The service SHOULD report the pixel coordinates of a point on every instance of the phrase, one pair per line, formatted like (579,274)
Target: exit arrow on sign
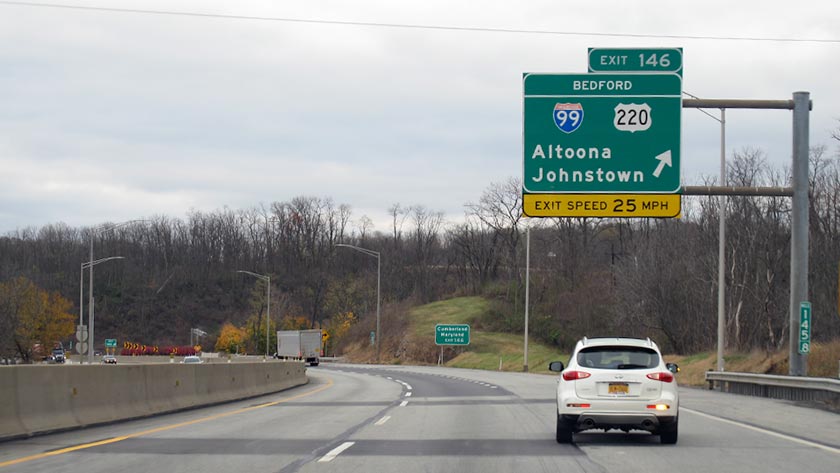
(664,160)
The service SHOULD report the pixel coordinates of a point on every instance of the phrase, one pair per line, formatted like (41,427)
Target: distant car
(109,360)
(58,355)
(617,383)
(192,359)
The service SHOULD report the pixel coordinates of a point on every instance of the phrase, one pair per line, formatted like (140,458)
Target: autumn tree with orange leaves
(31,318)
(230,338)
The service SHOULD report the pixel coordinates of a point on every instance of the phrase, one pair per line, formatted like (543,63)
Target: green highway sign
(636,60)
(601,133)
(110,342)
(452,334)
(804,328)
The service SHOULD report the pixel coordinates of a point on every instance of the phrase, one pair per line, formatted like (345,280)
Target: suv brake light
(665,377)
(573,375)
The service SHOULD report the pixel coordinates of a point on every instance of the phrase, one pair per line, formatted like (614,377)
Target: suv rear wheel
(668,433)
(564,431)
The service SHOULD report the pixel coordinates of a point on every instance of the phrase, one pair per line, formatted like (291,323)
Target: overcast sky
(111,116)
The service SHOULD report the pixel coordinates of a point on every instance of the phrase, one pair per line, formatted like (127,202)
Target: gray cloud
(111,116)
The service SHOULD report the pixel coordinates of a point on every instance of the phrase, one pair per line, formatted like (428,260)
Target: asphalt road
(424,419)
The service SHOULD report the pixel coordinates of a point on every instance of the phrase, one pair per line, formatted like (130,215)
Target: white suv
(617,383)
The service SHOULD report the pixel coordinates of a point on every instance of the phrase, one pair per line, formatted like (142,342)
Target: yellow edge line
(161,429)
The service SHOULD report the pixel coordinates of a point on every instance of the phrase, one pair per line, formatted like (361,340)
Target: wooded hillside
(589,276)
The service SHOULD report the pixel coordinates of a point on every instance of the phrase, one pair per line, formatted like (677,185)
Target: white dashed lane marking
(335,452)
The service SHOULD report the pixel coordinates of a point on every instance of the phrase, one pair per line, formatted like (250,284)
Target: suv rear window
(616,357)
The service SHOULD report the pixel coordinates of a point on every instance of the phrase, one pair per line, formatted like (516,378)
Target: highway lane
(393,418)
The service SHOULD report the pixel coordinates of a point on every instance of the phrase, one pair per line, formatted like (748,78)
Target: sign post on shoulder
(602,145)
(451,335)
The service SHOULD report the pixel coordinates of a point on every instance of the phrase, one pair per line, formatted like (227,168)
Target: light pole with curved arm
(267,280)
(721,313)
(91,263)
(82,268)
(375,254)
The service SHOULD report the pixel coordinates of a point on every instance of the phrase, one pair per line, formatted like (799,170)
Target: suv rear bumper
(611,420)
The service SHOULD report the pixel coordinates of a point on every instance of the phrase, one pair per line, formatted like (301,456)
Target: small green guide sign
(804,328)
(636,60)
(111,342)
(452,334)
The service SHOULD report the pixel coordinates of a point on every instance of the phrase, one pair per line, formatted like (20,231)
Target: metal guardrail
(791,388)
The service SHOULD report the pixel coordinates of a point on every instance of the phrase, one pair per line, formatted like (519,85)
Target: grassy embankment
(486,349)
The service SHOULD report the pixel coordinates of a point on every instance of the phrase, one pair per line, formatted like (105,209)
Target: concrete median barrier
(40,399)
(9,415)
(44,396)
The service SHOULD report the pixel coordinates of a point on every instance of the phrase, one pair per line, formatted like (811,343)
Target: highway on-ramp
(359,418)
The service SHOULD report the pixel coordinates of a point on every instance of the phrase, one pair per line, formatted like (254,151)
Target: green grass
(486,348)
(696,357)
(735,357)
(461,310)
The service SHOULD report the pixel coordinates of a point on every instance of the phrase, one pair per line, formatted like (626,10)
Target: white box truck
(288,344)
(310,346)
(302,345)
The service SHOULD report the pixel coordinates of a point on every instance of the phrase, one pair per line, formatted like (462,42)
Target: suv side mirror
(556,366)
(672,367)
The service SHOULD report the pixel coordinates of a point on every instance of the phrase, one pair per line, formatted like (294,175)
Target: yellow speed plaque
(601,205)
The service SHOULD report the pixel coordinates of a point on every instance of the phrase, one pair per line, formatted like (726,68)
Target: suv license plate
(619,388)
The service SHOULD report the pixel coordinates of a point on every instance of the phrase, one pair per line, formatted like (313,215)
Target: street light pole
(90,303)
(89,265)
(93,233)
(376,255)
(267,280)
(721,306)
(81,294)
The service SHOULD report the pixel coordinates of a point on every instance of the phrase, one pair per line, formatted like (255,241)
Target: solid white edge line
(404,403)
(335,452)
(768,432)
(382,420)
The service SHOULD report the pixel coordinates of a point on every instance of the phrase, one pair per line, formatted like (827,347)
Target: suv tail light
(573,375)
(665,377)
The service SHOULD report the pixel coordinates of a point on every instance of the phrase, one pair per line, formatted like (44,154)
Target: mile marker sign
(599,134)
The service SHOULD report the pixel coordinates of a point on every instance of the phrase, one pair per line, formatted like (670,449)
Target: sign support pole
(799,229)
(527,290)
(721,332)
